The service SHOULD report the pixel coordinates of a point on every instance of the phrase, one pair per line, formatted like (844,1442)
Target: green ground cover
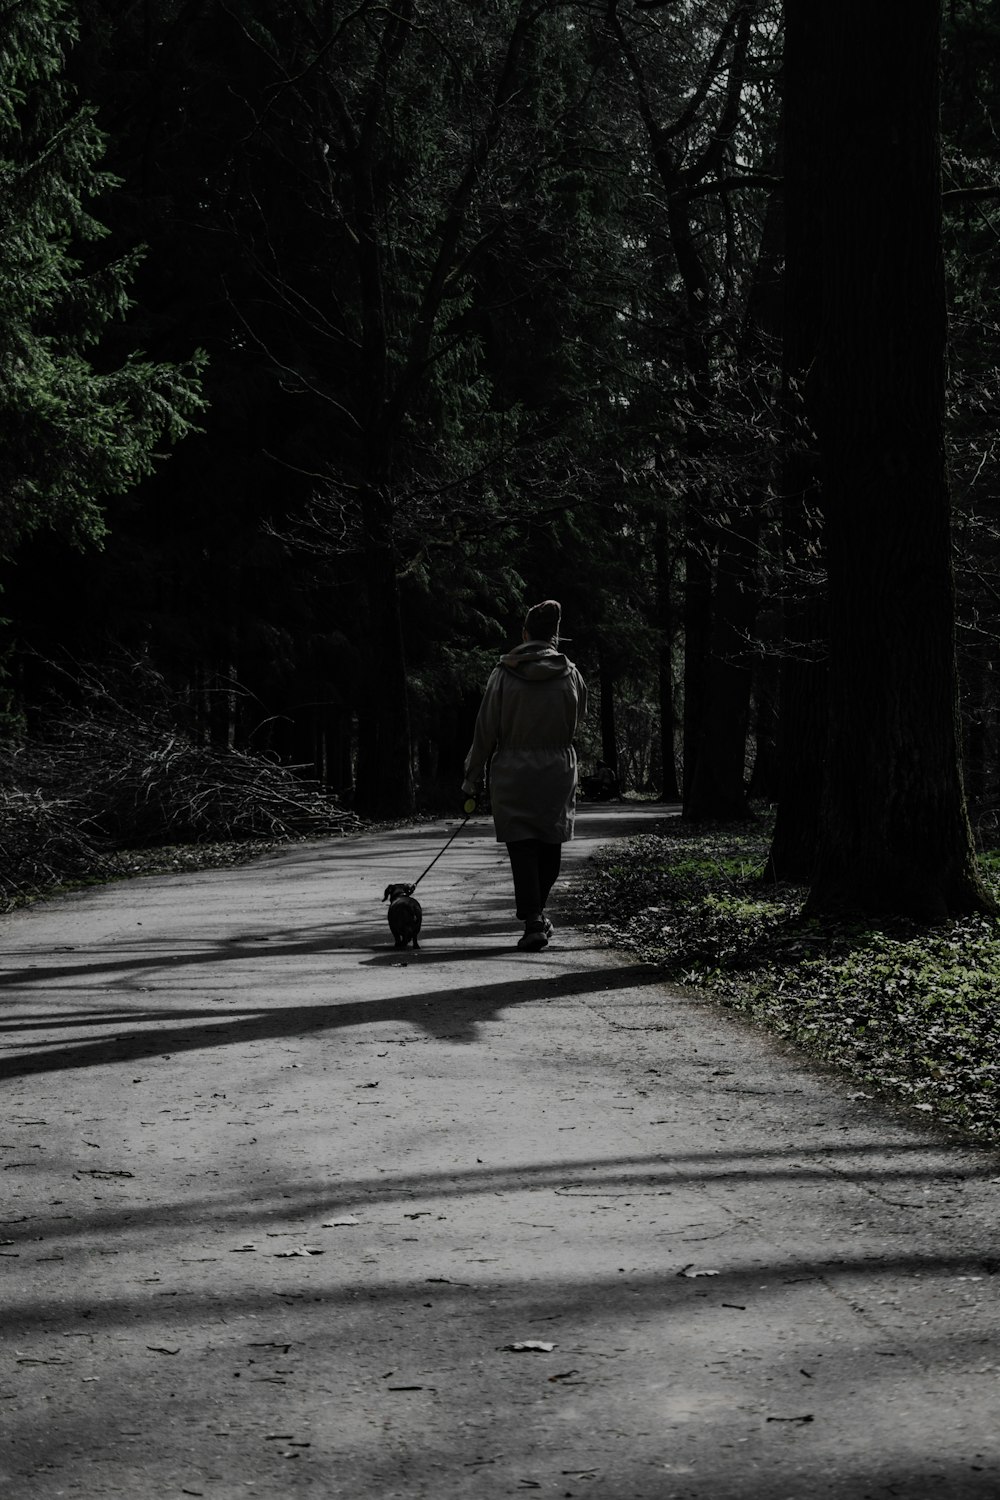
(908,1011)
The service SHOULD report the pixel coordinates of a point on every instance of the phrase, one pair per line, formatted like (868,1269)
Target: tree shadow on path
(451,1014)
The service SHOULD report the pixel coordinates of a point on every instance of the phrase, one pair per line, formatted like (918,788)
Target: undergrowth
(906,1010)
(114,783)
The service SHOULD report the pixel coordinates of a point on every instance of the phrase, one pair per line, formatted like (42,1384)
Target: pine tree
(77,426)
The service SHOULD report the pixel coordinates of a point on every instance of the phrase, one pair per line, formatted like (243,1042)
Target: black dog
(405,914)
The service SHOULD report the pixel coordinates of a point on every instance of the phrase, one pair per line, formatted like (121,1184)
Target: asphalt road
(285,1212)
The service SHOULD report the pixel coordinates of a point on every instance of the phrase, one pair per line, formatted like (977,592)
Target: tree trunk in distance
(717,791)
(609,727)
(764,731)
(384,784)
(669,789)
(697,633)
(894,835)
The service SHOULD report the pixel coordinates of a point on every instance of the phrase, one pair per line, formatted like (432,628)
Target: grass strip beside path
(910,1011)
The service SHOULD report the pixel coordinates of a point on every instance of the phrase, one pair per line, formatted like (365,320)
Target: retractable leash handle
(468,807)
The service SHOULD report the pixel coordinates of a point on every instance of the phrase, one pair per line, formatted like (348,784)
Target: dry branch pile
(94,781)
(45,841)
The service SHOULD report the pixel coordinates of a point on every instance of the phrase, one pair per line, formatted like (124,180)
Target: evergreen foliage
(76,427)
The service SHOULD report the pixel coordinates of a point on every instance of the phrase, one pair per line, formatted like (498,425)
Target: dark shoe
(535,938)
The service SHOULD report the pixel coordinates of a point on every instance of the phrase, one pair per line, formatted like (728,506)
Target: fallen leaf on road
(300,1250)
(529,1346)
(692,1271)
(162,1349)
(342,1222)
(807,1418)
(242,1249)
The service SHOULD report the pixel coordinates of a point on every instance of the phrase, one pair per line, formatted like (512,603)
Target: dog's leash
(468,807)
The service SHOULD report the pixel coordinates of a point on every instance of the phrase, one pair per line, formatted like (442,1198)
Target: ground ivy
(909,1011)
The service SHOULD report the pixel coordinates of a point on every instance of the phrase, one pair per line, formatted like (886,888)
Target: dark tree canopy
(79,424)
(641,306)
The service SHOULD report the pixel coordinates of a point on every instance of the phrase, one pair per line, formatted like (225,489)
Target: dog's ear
(388,893)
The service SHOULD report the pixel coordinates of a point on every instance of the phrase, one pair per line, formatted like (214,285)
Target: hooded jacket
(533,702)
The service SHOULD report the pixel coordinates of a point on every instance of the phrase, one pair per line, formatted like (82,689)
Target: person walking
(533,702)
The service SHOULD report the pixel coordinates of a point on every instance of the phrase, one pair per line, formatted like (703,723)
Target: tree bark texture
(669,789)
(803,706)
(609,726)
(802,714)
(385,771)
(894,834)
(717,789)
(697,634)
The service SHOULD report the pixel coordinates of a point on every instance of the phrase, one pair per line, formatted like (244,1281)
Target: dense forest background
(334,333)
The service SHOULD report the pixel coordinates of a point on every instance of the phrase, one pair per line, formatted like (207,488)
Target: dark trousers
(534,866)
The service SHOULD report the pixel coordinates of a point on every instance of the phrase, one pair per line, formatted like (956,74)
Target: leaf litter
(912,1011)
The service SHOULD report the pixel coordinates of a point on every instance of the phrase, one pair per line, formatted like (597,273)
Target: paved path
(745,1280)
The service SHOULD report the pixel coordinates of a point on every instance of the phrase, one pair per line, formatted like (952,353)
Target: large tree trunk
(802,713)
(803,710)
(894,834)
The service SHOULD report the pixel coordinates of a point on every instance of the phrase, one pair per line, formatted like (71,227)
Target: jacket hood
(536,661)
